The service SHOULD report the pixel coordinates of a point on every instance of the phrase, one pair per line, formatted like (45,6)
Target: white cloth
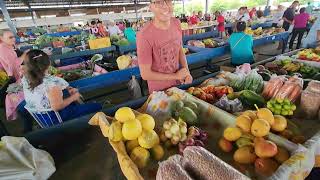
(277,17)
(114,30)
(244,17)
(312,36)
(38,97)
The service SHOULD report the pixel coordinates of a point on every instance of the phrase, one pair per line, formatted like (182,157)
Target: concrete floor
(87,154)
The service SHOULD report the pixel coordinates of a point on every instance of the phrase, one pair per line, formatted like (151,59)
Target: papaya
(188,116)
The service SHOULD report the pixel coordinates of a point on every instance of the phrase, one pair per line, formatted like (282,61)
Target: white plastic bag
(20,160)
(134,88)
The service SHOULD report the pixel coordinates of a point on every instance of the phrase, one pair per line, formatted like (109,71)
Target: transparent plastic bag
(134,88)
(20,160)
(229,105)
(310,103)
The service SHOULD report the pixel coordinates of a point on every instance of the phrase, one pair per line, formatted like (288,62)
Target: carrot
(285,90)
(295,93)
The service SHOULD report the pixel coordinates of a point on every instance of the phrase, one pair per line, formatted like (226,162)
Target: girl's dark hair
(259,14)
(241,26)
(36,64)
(302,10)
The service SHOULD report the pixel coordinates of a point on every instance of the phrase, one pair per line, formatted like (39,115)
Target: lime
(269,105)
(272,101)
(293,107)
(287,101)
(272,109)
(280,101)
(284,113)
(277,112)
(287,107)
(290,113)
(277,106)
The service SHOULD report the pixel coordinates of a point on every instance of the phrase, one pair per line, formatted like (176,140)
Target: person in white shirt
(113,29)
(243,15)
(313,38)
(277,16)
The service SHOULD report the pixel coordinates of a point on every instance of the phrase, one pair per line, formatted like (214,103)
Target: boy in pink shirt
(159,46)
(300,26)
(9,61)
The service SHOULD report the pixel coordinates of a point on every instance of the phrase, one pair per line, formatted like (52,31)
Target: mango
(140,157)
(232,133)
(124,114)
(115,133)
(225,145)
(251,114)
(243,142)
(245,155)
(244,122)
(282,155)
(157,152)
(130,145)
(188,116)
(265,166)
(131,129)
(266,114)
(146,121)
(260,128)
(265,149)
(148,139)
(280,123)
(286,134)
(299,139)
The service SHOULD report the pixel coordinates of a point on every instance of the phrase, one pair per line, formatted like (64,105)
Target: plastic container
(100,43)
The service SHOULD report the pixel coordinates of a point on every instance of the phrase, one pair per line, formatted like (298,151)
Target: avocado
(188,116)
(192,106)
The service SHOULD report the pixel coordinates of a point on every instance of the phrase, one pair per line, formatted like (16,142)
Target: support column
(269,2)
(207,4)
(7,17)
(135,8)
(183,6)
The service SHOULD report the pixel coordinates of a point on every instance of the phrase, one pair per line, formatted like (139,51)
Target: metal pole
(135,8)
(183,6)
(7,17)
(207,6)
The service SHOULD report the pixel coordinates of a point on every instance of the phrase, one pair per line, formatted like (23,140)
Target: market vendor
(45,92)
(241,46)
(162,61)
(9,61)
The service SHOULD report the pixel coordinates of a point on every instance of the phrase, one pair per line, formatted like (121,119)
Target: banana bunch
(3,78)
(292,67)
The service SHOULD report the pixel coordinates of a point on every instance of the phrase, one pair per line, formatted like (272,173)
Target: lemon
(140,157)
(148,139)
(114,133)
(146,121)
(124,114)
(131,129)
(232,133)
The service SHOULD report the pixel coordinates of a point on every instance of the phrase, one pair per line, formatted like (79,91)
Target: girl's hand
(188,79)
(76,96)
(73,90)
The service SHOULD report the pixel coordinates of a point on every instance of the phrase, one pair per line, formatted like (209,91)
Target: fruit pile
(187,111)
(3,78)
(281,107)
(249,138)
(173,131)
(309,54)
(196,137)
(139,133)
(210,94)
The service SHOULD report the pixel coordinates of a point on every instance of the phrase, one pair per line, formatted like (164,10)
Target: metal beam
(7,17)
(207,3)
(135,8)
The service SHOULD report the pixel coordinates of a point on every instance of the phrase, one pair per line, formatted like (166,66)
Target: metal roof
(72,3)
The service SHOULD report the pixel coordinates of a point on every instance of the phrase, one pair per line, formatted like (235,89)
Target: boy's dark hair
(241,26)
(128,25)
(302,10)
(36,63)
(93,22)
(294,2)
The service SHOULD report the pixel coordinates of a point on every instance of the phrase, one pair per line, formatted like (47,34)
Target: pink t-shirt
(301,20)
(161,49)
(9,61)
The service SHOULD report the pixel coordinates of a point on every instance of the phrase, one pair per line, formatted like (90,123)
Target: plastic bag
(134,88)
(123,61)
(314,86)
(310,103)
(291,89)
(254,82)
(237,81)
(229,105)
(159,106)
(272,87)
(244,68)
(20,160)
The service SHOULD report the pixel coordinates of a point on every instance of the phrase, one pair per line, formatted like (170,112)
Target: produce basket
(100,43)
(212,120)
